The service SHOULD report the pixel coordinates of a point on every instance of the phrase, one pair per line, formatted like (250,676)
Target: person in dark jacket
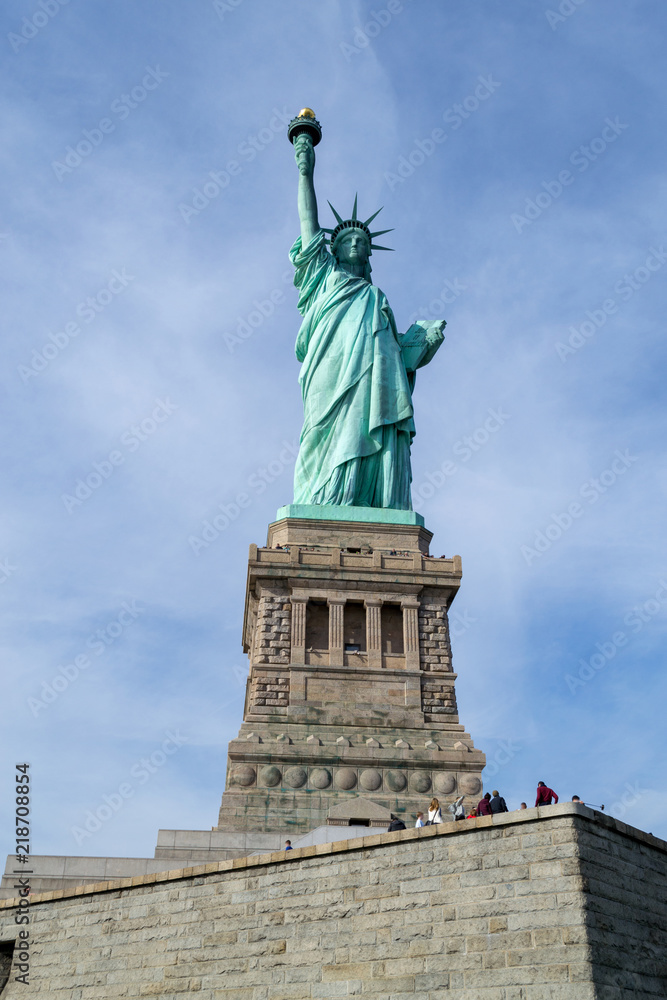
(544,795)
(497,803)
(396,824)
(483,807)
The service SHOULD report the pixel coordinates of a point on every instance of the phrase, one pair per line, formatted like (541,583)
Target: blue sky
(532,218)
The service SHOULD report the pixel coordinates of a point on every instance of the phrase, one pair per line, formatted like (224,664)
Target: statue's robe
(357,392)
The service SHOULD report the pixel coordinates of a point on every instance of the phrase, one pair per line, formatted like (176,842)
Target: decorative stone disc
(243,775)
(345,778)
(470,784)
(270,775)
(420,782)
(320,777)
(444,783)
(396,780)
(370,779)
(295,777)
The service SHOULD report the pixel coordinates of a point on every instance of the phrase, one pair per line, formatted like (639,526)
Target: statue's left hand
(434,334)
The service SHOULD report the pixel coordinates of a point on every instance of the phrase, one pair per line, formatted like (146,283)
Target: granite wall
(553,904)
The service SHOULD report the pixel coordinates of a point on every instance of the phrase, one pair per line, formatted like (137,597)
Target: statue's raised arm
(304,154)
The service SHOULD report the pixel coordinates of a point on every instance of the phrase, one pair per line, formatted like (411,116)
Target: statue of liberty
(358,372)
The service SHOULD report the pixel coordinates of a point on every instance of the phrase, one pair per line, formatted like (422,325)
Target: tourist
(544,795)
(434,814)
(523,806)
(472,814)
(456,808)
(420,820)
(483,807)
(288,845)
(497,803)
(575,798)
(396,824)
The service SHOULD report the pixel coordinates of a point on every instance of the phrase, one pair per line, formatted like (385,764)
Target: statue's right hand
(304,154)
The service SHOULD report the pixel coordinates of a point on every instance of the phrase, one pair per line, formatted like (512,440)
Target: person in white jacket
(434,814)
(456,808)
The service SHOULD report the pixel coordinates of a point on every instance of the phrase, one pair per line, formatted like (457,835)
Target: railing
(415,561)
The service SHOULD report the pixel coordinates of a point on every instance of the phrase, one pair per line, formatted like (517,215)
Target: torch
(305,123)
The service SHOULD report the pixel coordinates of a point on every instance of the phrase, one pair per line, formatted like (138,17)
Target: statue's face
(353,247)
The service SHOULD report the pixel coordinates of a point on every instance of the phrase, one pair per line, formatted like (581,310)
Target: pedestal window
(354,628)
(392,629)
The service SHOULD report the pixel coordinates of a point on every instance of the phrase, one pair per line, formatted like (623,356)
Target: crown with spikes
(355,223)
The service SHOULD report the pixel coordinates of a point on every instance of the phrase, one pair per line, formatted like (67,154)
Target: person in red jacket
(544,795)
(483,807)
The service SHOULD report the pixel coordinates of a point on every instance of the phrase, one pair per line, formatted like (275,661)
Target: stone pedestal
(351,687)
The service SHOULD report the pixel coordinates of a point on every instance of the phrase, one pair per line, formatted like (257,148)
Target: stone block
(90,867)
(494,960)
(333,973)
(545,936)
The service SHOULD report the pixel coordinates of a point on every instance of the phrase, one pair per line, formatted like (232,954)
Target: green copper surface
(358,371)
(340,512)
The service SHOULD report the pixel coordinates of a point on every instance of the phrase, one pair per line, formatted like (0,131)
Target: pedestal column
(374,632)
(411,633)
(336,619)
(299,629)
